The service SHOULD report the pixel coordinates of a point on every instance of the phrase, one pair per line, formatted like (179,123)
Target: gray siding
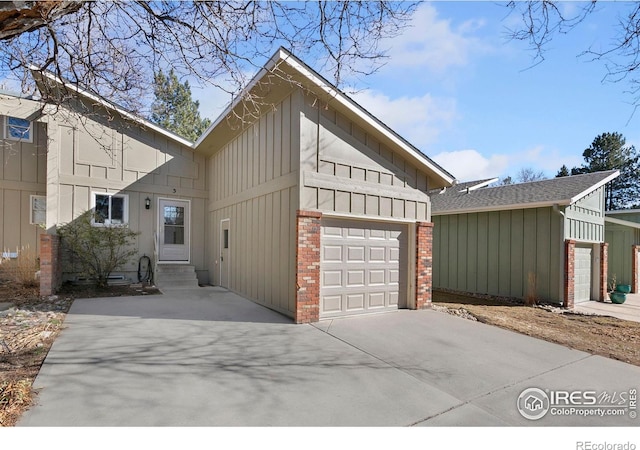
(22,174)
(502,253)
(91,154)
(345,169)
(585,218)
(254,184)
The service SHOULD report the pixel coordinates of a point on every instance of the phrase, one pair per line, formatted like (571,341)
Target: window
(110,209)
(18,129)
(38,210)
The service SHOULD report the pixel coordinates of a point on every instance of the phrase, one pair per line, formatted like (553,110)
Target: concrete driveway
(629,310)
(207,357)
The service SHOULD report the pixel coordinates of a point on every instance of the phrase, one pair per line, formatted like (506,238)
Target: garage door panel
(332,278)
(356,233)
(378,234)
(355,278)
(393,298)
(362,264)
(582,274)
(377,300)
(376,276)
(331,303)
(355,302)
(332,253)
(377,254)
(355,254)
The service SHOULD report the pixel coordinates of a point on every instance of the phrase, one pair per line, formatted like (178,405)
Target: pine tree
(609,151)
(174,109)
(563,172)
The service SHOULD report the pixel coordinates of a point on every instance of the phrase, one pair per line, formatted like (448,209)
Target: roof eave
(595,186)
(625,223)
(102,102)
(545,204)
(283,55)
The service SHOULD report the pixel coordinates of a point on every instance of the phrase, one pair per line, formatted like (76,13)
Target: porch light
(147,203)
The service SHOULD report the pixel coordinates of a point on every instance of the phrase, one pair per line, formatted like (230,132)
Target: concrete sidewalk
(208,357)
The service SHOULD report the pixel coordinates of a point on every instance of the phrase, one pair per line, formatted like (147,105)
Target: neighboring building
(309,205)
(541,240)
(622,233)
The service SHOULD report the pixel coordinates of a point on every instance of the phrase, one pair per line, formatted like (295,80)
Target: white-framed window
(17,129)
(38,210)
(110,209)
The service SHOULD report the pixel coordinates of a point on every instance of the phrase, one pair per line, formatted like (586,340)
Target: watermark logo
(534,403)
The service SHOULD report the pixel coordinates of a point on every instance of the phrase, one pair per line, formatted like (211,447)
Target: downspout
(556,209)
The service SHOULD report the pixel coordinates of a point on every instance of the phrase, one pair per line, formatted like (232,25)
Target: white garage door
(582,267)
(362,267)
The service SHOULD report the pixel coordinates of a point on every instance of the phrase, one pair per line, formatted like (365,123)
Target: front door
(174,230)
(224,252)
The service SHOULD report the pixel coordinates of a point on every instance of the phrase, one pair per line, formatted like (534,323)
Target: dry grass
(15,397)
(21,270)
(604,336)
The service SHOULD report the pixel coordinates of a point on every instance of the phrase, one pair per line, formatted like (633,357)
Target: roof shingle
(561,191)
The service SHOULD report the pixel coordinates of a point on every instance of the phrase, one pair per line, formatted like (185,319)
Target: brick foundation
(424,264)
(635,282)
(569,273)
(50,264)
(307,266)
(604,269)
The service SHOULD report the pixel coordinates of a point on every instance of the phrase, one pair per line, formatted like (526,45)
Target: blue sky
(458,89)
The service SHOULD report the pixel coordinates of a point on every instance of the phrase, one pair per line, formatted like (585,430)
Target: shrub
(97,251)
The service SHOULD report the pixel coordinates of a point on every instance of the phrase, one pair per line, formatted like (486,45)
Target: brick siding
(424,264)
(569,273)
(604,269)
(307,266)
(635,282)
(50,264)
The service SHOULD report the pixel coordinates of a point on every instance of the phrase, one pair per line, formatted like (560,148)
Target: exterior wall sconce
(147,203)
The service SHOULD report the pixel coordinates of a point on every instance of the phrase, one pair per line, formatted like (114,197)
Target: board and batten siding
(584,219)
(621,240)
(346,170)
(23,173)
(92,155)
(254,183)
(511,253)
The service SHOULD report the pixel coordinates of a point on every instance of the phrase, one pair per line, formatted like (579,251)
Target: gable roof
(43,76)
(535,194)
(284,61)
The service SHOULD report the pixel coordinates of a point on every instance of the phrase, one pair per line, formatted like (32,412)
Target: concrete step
(175,276)
(174,268)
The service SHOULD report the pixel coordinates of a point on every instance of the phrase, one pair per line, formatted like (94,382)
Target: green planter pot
(618,297)
(626,288)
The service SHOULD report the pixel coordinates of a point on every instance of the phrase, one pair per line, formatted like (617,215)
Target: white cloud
(468,165)
(435,43)
(417,119)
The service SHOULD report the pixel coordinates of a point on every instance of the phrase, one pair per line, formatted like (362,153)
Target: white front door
(174,230)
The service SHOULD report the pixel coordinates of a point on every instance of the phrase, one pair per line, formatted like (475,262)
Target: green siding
(498,252)
(620,240)
(585,218)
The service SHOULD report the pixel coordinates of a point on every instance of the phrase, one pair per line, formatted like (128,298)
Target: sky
(467,96)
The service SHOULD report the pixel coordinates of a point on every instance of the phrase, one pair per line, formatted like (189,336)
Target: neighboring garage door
(363,267)
(582,267)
